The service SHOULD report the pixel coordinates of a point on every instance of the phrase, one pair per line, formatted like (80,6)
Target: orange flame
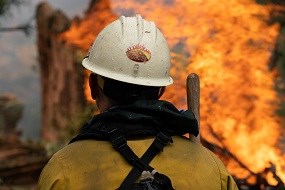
(228,44)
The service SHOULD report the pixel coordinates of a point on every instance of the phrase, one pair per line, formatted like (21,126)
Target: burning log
(261,182)
(260,178)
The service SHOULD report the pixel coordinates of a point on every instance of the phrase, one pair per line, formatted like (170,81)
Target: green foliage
(278,62)
(264,2)
(78,121)
(280,65)
(52,147)
(5,6)
(281,110)
(5,10)
(74,126)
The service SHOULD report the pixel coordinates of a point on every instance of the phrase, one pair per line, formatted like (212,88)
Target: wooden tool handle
(193,98)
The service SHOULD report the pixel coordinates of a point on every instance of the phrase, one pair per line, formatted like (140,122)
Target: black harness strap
(139,164)
(158,144)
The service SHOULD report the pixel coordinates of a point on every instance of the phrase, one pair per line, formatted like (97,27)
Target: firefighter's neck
(103,102)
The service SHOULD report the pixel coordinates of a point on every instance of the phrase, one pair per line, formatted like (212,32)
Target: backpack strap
(139,164)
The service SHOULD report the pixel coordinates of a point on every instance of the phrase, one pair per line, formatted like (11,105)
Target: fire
(228,44)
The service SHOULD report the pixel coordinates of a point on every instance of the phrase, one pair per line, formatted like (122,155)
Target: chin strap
(161,92)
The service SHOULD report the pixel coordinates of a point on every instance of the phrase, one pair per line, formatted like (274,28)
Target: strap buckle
(164,138)
(161,140)
(108,129)
(119,142)
(114,135)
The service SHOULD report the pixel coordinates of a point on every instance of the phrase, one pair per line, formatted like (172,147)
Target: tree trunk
(61,75)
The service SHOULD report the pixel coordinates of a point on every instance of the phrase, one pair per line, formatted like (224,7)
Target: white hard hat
(131,50)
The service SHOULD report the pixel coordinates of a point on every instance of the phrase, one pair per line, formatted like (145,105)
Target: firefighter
(137,141)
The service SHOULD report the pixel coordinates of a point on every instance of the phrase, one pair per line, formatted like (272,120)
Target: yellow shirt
(90,164)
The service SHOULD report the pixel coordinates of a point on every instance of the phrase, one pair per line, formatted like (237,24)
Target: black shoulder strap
(139,164)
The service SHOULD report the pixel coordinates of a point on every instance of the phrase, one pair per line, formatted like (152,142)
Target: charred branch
(224,151)
(261,181)
(26,28)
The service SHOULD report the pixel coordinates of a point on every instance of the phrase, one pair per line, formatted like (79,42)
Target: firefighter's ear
(93,84)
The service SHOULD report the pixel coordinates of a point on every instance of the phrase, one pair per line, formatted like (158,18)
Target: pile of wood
(20,162)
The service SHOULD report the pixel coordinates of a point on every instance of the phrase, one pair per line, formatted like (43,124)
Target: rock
(11,111)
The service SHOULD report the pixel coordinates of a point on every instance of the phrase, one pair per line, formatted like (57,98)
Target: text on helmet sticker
(138,53)
(136,70)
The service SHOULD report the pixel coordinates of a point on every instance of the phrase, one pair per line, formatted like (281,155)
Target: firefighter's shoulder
(88,163)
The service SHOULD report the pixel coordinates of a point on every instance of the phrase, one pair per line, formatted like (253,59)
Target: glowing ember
(228,44)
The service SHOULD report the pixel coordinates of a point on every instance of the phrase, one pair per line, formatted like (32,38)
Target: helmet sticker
(138,53)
